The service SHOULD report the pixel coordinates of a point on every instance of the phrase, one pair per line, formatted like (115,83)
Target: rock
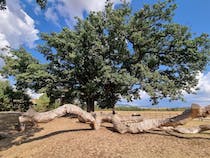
(135,114)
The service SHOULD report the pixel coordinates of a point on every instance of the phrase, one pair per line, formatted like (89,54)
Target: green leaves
(89,59)
(11,99)
(166,57)
(42,3)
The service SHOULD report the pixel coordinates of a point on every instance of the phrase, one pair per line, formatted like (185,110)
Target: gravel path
(66,138)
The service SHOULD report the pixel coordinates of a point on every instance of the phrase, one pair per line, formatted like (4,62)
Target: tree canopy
(114,54)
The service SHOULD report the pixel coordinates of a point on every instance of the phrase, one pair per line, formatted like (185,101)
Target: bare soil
(67,138)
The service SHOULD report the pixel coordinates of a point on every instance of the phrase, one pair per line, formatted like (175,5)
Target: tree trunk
(113,110)
(52,101)
(90,105)
(61,102)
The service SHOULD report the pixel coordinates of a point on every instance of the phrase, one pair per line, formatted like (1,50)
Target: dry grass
(66,137)
(152,114)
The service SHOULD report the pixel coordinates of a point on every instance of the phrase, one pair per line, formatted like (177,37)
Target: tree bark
(192,130)
(195,111)
(52,101)
(113,110)
(90,105)
(35,117)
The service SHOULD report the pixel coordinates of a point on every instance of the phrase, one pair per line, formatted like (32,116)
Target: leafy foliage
(88,60)
(12,99)
(2,4)
(43,103)
(29,73)
(42,3)
(5,92)
(167,57)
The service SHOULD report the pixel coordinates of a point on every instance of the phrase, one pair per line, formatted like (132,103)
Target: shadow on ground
(205,136)
(54,133)
(19,138)
(12,137)
(25,137)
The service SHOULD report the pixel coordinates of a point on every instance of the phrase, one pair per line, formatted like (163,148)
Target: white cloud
(4,48)
(202,96)
(2,78)
(51,15)
(204,83)
(16,26)
(144,95)
(3,40)
(75,8)
(37,9)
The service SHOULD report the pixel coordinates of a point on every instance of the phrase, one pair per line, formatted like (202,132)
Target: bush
(43,104)
(12,100)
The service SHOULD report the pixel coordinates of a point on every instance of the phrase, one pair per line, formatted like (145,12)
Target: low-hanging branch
(122,124)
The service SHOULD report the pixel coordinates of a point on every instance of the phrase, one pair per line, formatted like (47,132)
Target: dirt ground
(67,138)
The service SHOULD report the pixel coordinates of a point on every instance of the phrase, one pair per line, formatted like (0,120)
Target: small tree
(5,91)
(42,104)
(11,99)
(29,73)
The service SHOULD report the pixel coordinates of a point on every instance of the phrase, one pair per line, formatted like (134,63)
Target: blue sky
(23,21)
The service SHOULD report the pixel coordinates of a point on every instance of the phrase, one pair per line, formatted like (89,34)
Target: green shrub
(42,104)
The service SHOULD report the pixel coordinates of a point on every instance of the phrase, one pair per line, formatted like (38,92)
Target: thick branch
(149,124)
(33,116)
(195,111)
(111,118)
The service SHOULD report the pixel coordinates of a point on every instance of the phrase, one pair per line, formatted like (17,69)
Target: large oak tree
(114,53)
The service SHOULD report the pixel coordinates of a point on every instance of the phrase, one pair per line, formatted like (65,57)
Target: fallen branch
(192,130)
(196,111)
(35,117)
(122,124)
